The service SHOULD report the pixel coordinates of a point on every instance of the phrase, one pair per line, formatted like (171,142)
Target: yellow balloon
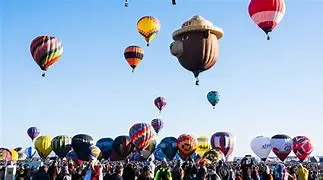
(148,27)
(14,155)
(43,146)
(203,145)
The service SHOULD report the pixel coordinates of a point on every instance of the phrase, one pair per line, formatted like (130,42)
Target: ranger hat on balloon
(196,45)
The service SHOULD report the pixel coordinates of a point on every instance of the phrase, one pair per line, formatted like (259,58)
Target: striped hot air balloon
(46,50)
(141,135)
(148,27)
(224,141)
(61,145)
(267,14)
(134,55)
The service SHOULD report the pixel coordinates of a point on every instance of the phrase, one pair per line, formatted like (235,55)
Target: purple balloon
(33,132)
(157,124)
(160,103)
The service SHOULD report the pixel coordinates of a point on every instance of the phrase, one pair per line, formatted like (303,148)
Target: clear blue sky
(266,87)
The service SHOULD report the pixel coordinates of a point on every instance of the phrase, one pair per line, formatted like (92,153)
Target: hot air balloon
(19,149)
(160,103)
(141,135)
(33,132)
(145,153)
(134,55)
(213,155)
(94,152)
(30,152)
(186,145)
(106,147)
(213,98)
(61,145)
(159,155)
(122,146)
(46,50)
(174,2)
(196,45)
(203,145)
(148,27)
(168,145)
(157,124)
(281,145)
(224,141)
(267,14)
(5,154)
(81,145)
(302,147)
(261,146)
(72,155)
(43,146)
(14,155)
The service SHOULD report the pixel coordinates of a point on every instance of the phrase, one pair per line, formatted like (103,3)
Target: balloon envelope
(81,145)
(261,146)
(168,146)
(224,141)
(43,146)
(33,132)
(281,145)
(61,145)
(302,147)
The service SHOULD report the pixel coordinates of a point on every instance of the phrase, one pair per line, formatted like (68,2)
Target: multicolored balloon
(5,154)
(224,141)
(122,146)
(168,146)
(33,132)
(46,50)
(106,147)
(157,124)
(141,135)
(61,145)
(134,55)
(145,153)
(43,146)
(213,155)
(261,146)
(160,103)
(281,145)
(302,147)
(186,144)
(148,27)
(213,98)
(267,14)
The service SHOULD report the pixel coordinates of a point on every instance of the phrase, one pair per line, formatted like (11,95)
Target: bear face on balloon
(196,45)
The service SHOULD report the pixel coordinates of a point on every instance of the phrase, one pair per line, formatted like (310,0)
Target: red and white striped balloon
(267,14)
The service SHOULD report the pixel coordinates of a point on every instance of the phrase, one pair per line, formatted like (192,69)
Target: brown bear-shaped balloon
(196,45)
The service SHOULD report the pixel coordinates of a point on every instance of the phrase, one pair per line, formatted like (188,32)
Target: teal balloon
(213,98)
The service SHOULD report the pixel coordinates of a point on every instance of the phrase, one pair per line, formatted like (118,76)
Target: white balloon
(261,146)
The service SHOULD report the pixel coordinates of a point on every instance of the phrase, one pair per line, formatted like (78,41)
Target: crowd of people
(166,170)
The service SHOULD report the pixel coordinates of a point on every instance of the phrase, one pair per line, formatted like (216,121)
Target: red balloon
(302,147)
(267,14)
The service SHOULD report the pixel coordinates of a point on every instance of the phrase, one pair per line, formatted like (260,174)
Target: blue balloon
(168,145)
(213,98)
(159,155)
(30,152)
(106,147)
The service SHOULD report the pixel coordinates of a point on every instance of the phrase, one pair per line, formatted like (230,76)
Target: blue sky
(266,87)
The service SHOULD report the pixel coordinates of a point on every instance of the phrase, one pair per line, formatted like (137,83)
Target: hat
(198,23)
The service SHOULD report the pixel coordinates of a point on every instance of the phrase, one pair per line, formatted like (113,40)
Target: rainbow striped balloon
(46,50)
(142,135)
